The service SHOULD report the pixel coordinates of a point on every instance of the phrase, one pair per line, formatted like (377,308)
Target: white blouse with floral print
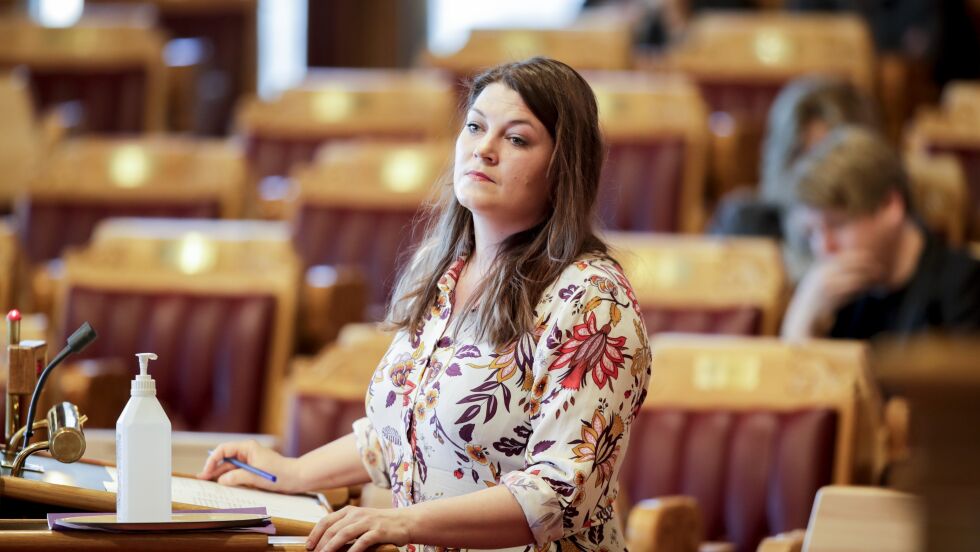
(547,415)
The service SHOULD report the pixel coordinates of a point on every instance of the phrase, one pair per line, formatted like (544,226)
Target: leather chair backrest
(49,227)
(216,300)
(753,473)
(360,205)
(704,284)
(114,69)
(112,101)
(656,129)
(88,180)
(750,427)
(326,395)
(213,350)
(344,104)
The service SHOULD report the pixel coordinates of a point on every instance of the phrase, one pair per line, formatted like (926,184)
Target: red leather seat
(749,101)
(112,101)
(754,474)
(750,428)
(656,129)
(700,284)
(641,185)
(314,420)
(278,155)
(214,299)
(326,395)
(377,240)
(87,180)
(335,105)
(213,350)
(48,226)
(698,319)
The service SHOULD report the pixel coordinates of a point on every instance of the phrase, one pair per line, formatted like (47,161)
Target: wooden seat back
(656,131)
(113,68)
(704,284)
(216,300)
(90,179)
(751,428)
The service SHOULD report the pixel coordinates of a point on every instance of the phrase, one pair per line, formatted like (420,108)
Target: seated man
(877,271)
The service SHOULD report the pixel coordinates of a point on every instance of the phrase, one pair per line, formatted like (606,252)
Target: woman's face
(502,156)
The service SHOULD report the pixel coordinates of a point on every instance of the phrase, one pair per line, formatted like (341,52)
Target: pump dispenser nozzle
(143,385)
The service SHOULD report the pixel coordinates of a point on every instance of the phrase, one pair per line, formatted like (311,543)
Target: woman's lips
(479,176)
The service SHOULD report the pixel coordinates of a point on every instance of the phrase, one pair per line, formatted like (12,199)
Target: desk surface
(79,486)
(33,535)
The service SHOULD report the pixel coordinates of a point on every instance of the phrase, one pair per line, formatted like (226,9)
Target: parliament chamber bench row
(664,155)
(357,209)
(187,278)
(217,300)
(747,428)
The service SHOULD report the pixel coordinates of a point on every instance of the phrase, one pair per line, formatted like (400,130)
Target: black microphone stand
(76,342)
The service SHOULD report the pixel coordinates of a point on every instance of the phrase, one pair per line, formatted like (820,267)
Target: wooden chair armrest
(717,547)
(791,541)
(668,524)
(331,297)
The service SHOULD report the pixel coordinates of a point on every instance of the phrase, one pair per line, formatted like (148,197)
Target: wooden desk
(80,486)
(34,535)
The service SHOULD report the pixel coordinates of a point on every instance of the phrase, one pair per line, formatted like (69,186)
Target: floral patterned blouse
(547,415)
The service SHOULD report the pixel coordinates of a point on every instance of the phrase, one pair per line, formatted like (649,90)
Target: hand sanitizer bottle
(143,453)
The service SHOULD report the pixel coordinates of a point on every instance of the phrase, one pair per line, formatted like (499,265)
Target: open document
(208,493)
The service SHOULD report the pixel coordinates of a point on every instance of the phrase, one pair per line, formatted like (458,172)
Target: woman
(500,415)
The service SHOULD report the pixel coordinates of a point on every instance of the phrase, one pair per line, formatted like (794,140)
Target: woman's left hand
(364,526)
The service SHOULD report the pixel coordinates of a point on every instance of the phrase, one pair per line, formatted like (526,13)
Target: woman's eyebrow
(509,123)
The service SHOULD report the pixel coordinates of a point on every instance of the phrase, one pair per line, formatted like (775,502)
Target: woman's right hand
(255,455)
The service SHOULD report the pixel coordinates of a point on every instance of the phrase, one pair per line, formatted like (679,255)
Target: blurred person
(877,270)
(805,110)
(500,415)
(941,34)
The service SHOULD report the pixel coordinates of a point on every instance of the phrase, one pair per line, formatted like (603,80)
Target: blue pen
(239,464)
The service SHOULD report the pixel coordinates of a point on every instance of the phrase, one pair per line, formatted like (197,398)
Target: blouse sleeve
(372,455)
(591,367)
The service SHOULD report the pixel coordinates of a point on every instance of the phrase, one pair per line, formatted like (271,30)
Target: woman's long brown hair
(527,262)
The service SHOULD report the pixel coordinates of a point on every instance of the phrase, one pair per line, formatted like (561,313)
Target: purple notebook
(268,528)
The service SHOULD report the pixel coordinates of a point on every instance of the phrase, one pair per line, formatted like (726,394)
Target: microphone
(76,342)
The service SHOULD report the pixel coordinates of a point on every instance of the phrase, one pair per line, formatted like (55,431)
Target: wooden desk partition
(115,69)
(79,486)
(67,487)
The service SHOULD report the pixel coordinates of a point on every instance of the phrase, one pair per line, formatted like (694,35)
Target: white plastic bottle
(143,454)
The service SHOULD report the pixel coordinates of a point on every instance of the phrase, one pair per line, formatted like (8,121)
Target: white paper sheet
(211,494)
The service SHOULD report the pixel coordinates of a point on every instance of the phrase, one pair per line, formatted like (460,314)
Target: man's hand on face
(827,286)
(839,278)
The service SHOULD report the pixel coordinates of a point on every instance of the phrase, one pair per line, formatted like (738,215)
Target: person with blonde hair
(878,271)
(804,112)
(500,415)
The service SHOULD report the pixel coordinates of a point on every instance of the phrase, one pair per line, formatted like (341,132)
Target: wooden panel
(774,46)
(356,102)
(203,257)
(605,45)
(106,47)
(699,271)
